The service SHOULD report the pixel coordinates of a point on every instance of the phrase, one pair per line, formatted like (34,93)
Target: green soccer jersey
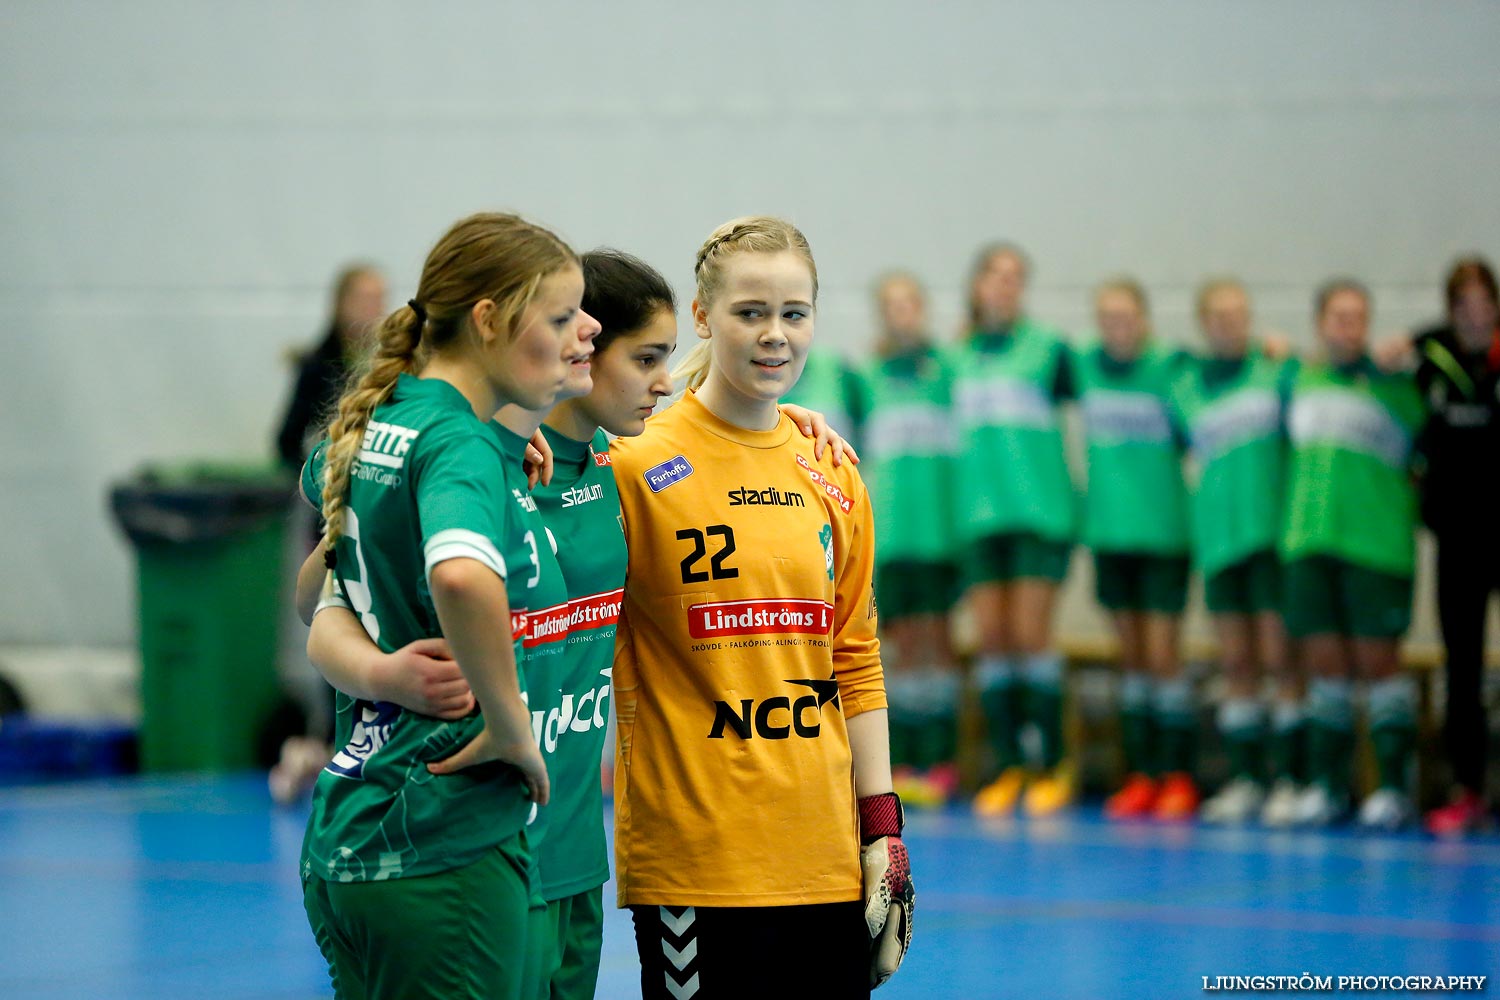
(827,385)
(1350,491)
(546,635)
(582,507)
(908,443)
(1231,413)
(428,485)
(1135,501)
(1006,399)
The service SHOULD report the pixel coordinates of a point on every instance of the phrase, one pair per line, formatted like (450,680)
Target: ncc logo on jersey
(575,714)
(779,717)
(673,470)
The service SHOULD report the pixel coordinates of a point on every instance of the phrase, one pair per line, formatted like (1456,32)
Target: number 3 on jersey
(358,591)
(717,569)
(536,560)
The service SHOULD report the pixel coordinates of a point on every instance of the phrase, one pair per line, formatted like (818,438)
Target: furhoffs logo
(673,470)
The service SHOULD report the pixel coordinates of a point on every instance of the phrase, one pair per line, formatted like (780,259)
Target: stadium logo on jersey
(768,497)
(595,611)
(772,617)
(573,715)
(386,444)
(371,731)
(601,458)
(844,503)
(673,470)
(524,499)
(777,718)
(580,495)
(826,537)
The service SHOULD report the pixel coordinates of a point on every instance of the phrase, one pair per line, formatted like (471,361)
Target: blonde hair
(747,234)
(491,255)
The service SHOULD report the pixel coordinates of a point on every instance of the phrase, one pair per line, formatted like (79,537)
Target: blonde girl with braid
(753,800)
(414,867)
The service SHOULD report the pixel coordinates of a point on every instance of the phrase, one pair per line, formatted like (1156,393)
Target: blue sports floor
(187,888)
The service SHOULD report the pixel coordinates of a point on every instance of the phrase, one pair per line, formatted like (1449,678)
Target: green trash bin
(208,541)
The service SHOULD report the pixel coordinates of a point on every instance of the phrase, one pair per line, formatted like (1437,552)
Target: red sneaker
(1464,814)
(1178,798)
(1135,800)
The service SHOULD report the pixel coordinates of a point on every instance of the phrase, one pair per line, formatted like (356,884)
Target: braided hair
(747,234)
(491,255)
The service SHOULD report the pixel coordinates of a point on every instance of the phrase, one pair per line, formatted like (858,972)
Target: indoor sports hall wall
(179,182)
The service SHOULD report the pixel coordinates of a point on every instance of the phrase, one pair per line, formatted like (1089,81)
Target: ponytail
(692,370)
(397,340)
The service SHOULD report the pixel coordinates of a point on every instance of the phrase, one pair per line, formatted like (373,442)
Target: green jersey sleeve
(461,502)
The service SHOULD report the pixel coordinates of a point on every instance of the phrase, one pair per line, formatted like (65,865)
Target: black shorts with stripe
(713,953)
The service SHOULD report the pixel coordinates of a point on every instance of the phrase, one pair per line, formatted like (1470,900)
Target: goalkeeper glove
(889,896)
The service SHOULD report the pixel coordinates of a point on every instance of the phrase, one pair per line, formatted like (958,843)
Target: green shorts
(1328,596)
(907,587)
(541,953)
(1016,556)
(1247,587)
(452,934)
(1131,581)
(575,926)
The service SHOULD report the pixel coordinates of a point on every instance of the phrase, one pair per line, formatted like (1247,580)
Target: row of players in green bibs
(1297,498)
(369,826)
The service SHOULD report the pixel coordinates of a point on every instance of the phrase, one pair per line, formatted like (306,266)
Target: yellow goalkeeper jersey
(746,640)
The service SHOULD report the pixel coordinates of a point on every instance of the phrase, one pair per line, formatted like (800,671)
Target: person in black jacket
(1458,369)
(296,756)
(358,304)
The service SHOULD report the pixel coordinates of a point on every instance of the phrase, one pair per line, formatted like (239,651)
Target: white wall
(178,181)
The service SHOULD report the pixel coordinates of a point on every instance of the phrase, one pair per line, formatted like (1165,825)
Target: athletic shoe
(1000,796)
(1280,810)
(1385,809)
(1318,806)
(1135,800)
(1236,804)
(1050,793)
(1464,813)
(1177,798)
